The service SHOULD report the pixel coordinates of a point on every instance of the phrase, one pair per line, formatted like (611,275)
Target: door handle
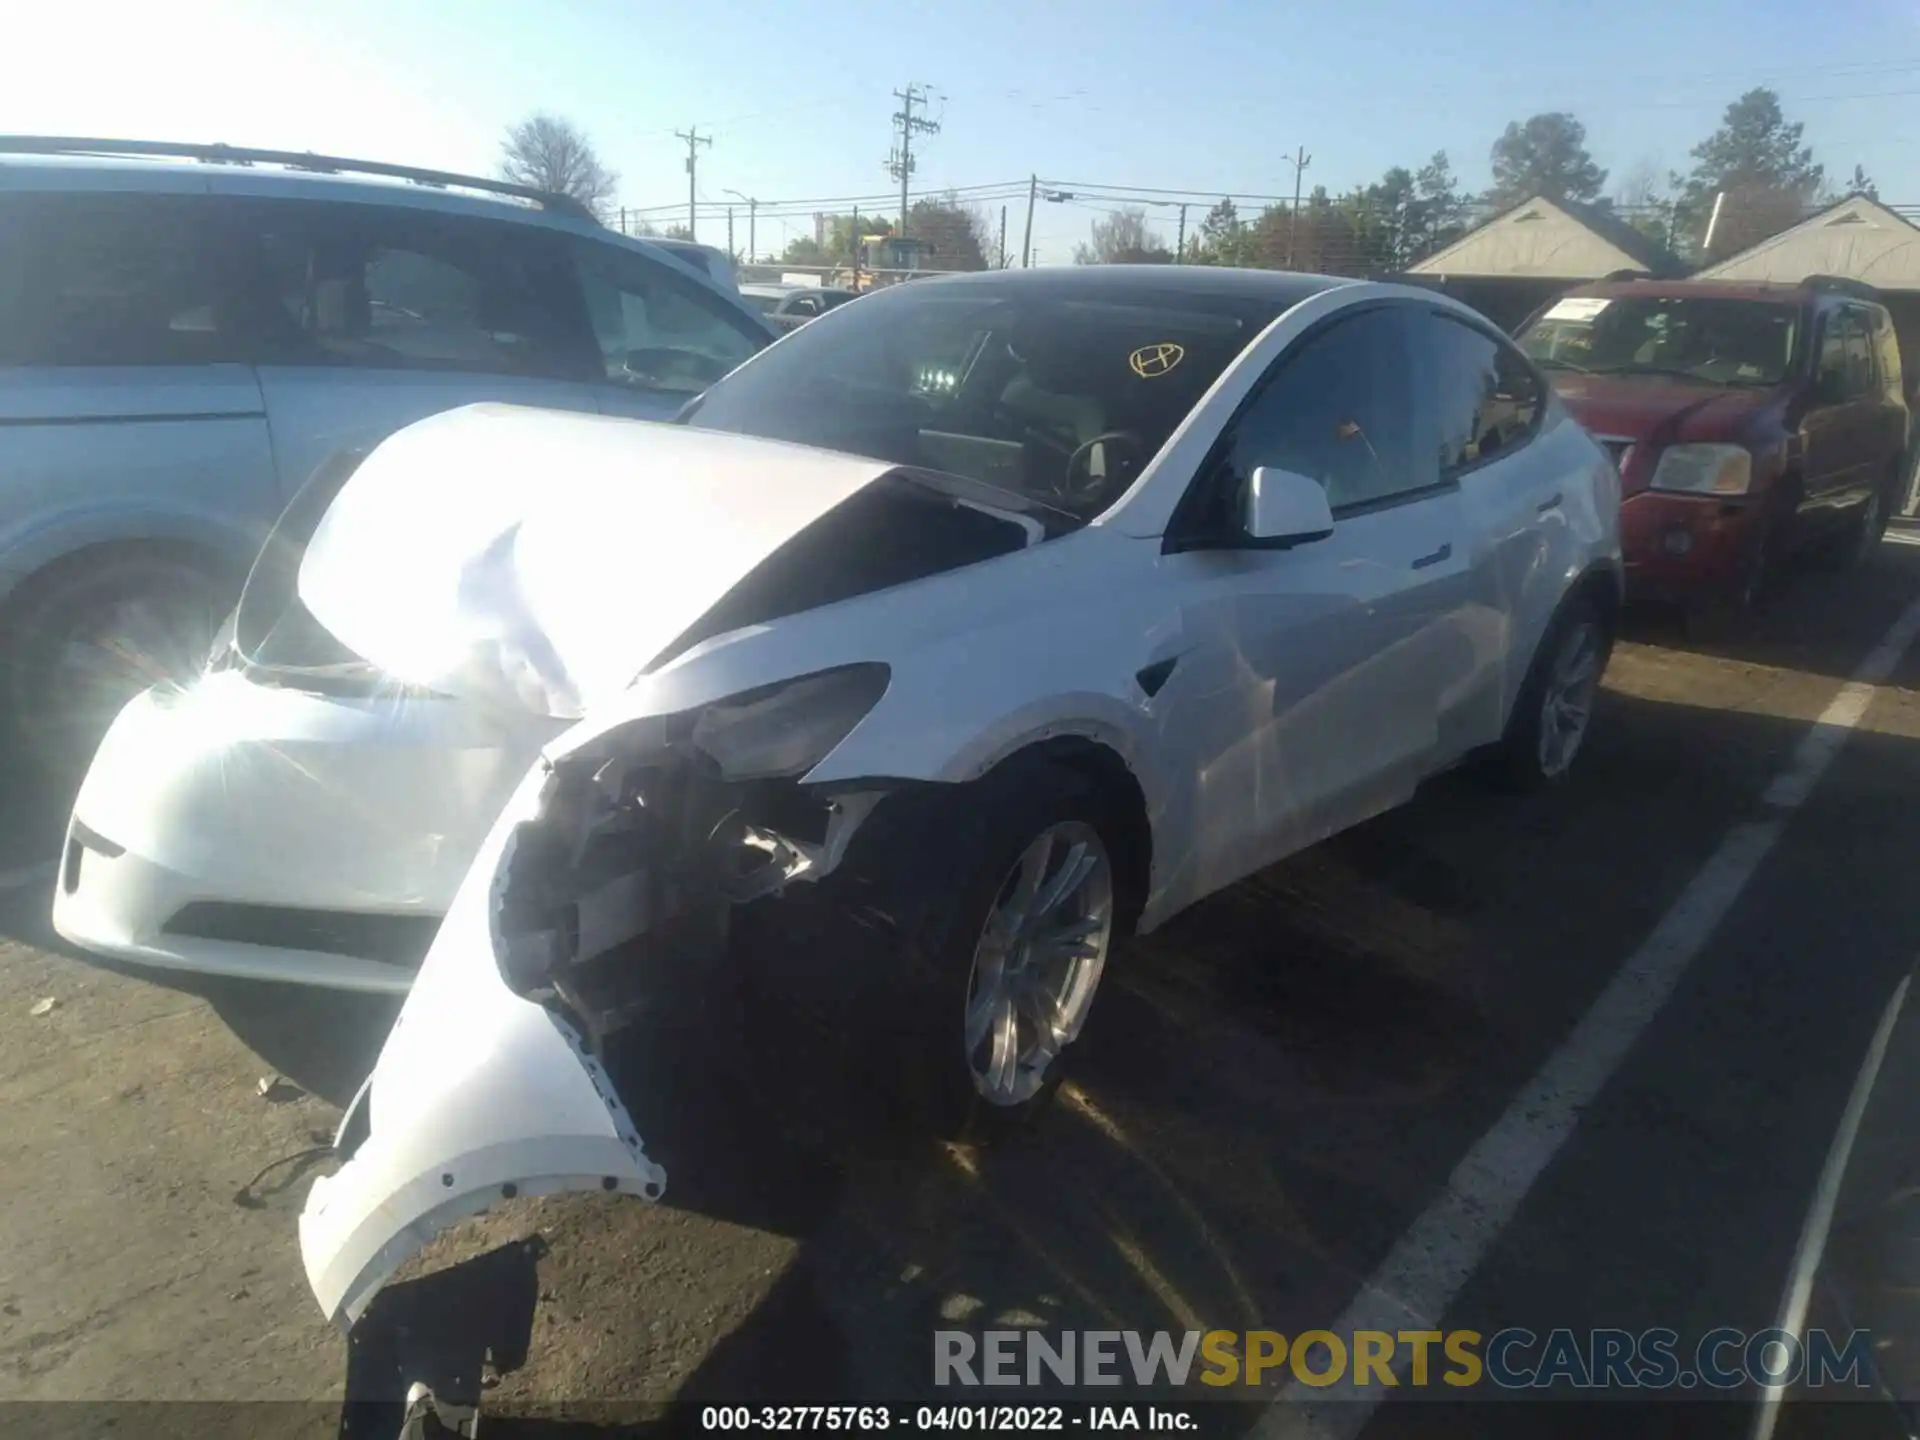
(1552,504)
(1435,558)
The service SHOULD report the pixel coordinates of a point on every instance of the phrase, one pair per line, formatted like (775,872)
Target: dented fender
(478,1096)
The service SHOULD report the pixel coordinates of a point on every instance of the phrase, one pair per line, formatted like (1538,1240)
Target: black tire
(86,637)
(1515,763)
(1860,540)
(934,871)
(1727,617)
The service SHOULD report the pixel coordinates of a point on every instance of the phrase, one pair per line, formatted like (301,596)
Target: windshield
(763,303)
(1716,340)
(1062,399)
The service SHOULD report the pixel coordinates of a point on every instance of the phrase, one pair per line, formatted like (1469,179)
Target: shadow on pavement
(1273,1086)
(1806,608)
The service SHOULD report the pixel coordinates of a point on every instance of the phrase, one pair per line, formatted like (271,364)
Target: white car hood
(471,553)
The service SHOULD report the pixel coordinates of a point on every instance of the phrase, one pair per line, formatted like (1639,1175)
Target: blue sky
(1203,95)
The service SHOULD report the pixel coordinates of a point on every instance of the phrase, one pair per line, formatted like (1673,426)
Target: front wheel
(1860,541)
(1000,977)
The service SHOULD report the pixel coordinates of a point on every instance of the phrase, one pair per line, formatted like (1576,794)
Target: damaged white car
(1028,607)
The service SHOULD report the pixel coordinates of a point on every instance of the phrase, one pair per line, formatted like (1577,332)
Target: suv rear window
(1713,340)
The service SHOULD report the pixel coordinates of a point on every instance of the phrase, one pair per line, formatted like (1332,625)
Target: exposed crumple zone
(618,895)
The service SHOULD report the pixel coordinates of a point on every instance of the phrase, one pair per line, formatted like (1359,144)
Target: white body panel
(242,794)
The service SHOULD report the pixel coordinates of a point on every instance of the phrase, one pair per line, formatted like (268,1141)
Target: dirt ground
(1270,1090)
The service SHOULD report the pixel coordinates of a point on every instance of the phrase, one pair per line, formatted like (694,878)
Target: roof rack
(290,159)
(1841,285)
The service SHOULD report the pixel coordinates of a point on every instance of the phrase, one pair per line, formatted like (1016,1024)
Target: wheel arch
(94,555)
(1106,772)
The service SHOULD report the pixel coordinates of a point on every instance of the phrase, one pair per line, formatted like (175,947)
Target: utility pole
(900,160)
(732,254)
(1001,257)
(1180,245)
(753,207)
(1300,160)
(1026,249)
(694,141)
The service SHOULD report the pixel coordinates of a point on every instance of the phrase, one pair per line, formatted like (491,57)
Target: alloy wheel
(1566,706)
(1038,961)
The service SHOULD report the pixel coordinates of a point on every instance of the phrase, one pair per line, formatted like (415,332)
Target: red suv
(1749,423)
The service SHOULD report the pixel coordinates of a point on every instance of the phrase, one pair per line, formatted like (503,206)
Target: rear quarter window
(123,279)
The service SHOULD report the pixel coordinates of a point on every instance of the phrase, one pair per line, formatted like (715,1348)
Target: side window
(1340,408)
(1830,367)
(658,330)
(1861,379)
(126,279)
(1886,344)
(401,289)
(1486,398)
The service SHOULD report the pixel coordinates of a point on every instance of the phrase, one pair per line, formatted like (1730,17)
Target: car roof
(189,176)
(1117,281)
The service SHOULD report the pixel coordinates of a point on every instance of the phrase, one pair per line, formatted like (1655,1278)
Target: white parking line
(1445,1245)
(1818,1224)
(27,876)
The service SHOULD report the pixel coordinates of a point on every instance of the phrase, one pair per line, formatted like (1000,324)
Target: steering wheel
(1079,486)
(659,363)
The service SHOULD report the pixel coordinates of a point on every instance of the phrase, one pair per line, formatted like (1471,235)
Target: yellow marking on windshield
(1151,361)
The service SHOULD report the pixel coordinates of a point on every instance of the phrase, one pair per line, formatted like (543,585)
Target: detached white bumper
(478,1096)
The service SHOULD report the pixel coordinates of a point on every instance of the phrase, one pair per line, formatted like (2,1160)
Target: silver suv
(186,332)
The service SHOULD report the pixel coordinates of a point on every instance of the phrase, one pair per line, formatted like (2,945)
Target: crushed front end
(605,893)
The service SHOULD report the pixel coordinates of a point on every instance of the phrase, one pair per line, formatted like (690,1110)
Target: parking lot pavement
(1275,1086)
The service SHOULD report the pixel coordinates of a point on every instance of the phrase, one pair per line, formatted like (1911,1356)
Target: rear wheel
(86,639)
(1554,711)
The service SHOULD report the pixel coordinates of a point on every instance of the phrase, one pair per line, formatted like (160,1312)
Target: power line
(976,192)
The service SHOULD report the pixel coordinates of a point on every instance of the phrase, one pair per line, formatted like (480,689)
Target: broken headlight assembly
(620,890)
(787,729)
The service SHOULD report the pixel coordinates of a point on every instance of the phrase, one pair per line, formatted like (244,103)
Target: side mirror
(1283,507)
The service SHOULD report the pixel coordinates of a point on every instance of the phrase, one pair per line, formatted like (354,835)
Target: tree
(1545,155)
(1754,147)
(550,154)
(839,235)
(1122,239)
(1640,195)
(1755,159)
(1442,208)
(1861,183)
(1223,237)
(960,234)
(678,232)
